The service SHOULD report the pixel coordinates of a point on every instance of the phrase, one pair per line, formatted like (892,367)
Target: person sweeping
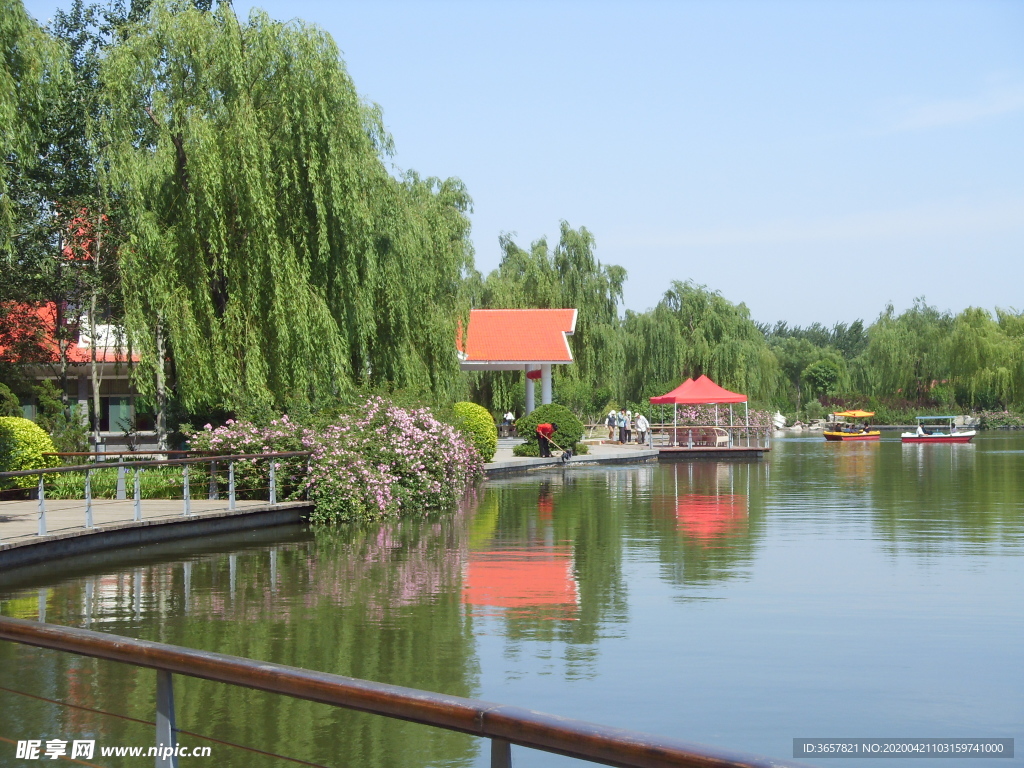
(544,434)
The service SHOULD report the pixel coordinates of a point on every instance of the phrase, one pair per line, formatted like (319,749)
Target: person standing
(622,427)
(544,434)
(629,427)
(642,427)
(611,422)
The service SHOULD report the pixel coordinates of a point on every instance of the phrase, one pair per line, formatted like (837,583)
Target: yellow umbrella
(855,414)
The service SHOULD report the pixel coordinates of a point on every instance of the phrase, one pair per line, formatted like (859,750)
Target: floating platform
(708,453)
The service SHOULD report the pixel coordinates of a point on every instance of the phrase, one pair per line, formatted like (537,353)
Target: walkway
(505,462)
(114,525)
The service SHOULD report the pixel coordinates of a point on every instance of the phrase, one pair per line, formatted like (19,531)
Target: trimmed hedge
(477,423)
(569,433)
(22,445)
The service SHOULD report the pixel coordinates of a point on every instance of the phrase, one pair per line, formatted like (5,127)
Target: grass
(154,483)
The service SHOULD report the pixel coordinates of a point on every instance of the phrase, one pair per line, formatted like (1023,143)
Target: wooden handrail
(574,738)
(136,452)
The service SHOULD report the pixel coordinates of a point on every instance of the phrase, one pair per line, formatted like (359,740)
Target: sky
(813,160)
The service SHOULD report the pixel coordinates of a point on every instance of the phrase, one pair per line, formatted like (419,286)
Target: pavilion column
(529,389)
(545,384)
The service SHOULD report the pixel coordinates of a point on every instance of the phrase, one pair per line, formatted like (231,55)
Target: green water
(831,590)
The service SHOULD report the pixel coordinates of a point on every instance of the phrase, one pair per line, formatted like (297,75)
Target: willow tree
(568,276)
(272,256)
(695,331)
(30,71)
(984,362)
(906,354)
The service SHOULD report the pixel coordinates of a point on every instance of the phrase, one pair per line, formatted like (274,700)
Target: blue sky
(815,160)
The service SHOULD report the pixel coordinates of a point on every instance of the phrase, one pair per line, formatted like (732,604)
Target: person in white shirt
(642,426)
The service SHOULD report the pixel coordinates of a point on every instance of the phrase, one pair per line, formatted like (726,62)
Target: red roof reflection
(706,516)
(541,577)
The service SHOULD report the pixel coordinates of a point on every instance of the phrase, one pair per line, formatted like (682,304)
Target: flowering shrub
(378,460)
(252,476)
(386,460)
(704,415)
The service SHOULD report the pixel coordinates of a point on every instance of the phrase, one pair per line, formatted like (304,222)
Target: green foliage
(695,331)
(570,430)
(815,410)
(29,71)
(10,405)
(477,422)
(22,445)
(570,276)
(1001,420)
(154,483)
(68,432)
(532,450)
(268,240)
(823,376)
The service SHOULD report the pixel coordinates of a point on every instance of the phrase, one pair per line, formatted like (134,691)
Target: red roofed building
(529,340)
(29,338)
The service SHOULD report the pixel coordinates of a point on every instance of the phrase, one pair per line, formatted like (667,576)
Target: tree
(568,277)
(272,258)
(695,331)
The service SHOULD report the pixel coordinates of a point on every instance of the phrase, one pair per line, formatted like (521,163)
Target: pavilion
(701,391)
(528,340)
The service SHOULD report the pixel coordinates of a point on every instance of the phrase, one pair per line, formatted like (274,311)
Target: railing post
(214,494)
(231,485)
(185,490)
(138,495)
(88,498)
(42,505)
(501,754)
(120,479)
(166,732)
(273,484)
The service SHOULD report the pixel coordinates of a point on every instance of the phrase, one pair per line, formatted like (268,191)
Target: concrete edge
(525,465)
(132,534)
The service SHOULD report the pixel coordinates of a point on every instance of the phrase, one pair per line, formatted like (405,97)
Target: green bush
(570,430)
(22,445)
(477,423)
(1001,420)
(532,450)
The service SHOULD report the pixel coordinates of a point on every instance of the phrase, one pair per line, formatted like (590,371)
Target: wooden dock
(709,453)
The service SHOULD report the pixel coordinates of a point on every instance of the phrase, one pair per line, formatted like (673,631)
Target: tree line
(214,192)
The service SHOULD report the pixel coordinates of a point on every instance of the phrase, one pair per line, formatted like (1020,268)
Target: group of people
(625,426)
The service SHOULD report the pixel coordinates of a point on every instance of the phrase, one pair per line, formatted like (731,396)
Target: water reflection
(703,511)
(740,604)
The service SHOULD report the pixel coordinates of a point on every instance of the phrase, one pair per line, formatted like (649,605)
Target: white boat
(944,431)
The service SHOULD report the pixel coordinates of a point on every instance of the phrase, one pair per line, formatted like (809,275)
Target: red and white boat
(943,432)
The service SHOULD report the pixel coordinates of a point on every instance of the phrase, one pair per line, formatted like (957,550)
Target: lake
(830,590)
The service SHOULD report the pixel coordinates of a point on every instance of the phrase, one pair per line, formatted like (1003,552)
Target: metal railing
(712,436)
(138,467)
(503,725)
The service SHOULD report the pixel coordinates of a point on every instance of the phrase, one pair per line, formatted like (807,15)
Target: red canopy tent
(701,391)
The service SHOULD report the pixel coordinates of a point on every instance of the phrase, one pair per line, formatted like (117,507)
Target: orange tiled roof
(39,322)
(518,336)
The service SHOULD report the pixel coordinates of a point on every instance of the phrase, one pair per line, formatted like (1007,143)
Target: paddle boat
(935,434)
(841,431)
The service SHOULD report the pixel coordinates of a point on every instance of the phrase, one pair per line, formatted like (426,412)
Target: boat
(842,432)
(935,434)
